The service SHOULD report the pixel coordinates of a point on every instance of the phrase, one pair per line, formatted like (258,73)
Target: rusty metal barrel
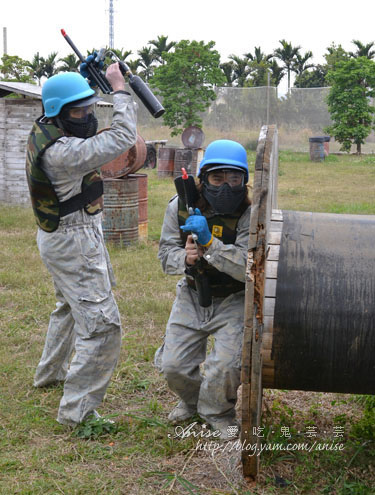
(166,162)
(327,139)
(322,336)
(120,213)
(142,204)
(128,162)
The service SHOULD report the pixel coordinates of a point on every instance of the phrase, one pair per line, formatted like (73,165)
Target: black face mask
(82,128)
(224,199)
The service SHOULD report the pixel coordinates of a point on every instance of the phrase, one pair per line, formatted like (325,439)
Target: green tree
(287,54)
(258,56)
(363,50)
(258,73)
(15,69)
(186,83)
(50,68)
(161,46)
(334,55)
(258,64)
(70,63)
(133,65)
(227,68)
(146,61)
(37,67)
(277,73)
(301,64)
(121,53)
(241,69)
(352,82)
(315,78)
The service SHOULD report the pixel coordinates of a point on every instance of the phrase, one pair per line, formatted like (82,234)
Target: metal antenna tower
(111,25)
(5,42)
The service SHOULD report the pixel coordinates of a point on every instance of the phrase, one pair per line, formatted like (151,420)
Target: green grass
(141,455)
(344,184)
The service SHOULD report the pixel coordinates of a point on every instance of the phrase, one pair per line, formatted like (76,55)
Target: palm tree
(37,67)
(227,68)
(50,65)
(146,61)
(258,56)
(240,69)
(287,54)
(363,50)
(133,65)
(70,63)
(300,64)
(258,66)
(277,72)
(161,46)
(121,53)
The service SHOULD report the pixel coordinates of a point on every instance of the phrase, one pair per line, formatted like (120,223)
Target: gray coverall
(213,394)
(86,319)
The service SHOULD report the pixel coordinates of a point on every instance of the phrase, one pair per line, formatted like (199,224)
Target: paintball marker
(136,83)
(187,191)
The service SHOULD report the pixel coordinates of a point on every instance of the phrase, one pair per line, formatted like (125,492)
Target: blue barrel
(317,149)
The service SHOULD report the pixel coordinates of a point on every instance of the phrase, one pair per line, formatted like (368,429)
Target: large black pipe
(324,321)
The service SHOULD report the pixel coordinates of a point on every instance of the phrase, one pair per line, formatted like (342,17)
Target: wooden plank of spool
(257,305)
(247,420)
(249,291)
(249,466)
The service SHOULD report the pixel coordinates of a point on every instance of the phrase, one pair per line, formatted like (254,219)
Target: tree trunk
(359,150)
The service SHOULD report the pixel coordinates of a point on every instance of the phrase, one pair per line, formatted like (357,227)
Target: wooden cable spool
(309,313)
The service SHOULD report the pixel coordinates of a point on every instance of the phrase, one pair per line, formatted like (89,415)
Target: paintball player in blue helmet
(64,154)
(220,225)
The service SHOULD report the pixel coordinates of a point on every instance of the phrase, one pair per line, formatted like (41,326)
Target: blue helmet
(63,88)
(224,153)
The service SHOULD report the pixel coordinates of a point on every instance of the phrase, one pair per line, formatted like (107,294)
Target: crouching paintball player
(210,247)
(63,155)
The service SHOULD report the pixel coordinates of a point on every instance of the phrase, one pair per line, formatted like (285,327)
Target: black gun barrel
(95,74)
(139,87)
(187,192)
(143,92)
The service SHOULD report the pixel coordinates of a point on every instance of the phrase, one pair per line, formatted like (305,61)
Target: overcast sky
(236,26)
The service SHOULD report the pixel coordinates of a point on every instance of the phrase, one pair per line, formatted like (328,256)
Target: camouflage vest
(47,208)
(224,228)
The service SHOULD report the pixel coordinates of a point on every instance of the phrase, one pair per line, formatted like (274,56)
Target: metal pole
(111,25)
(268,97)
(5,48)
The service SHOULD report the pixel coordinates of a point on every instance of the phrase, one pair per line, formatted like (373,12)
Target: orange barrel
(120,212)
(327,139)
(128,162)
(166,162)
(186,158)
(142,205)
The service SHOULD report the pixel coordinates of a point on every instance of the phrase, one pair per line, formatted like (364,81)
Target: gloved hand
(197,224)
(84,70)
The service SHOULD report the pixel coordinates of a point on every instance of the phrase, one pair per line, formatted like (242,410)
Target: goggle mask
(216,178)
